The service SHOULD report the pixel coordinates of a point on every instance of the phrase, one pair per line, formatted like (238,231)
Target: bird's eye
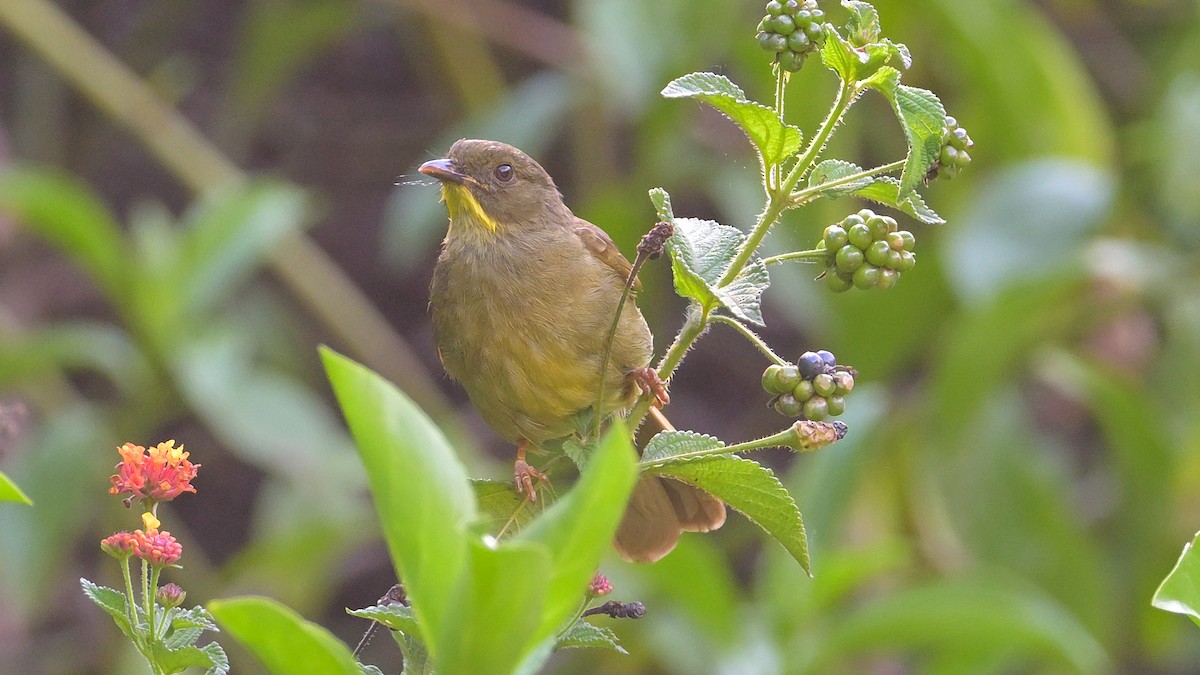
(504,173)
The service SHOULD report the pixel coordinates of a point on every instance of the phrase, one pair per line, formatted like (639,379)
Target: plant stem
(752,337)
(781,80)
(129,597)
(777,440)
(816,255)
(693,327)
(807,194)
(778,198)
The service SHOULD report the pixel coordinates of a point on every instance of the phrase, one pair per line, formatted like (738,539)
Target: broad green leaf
(281,639)
(749,488)
(668,444)
(229,234)
(836,169)
(9,492)
(66,213)
(701,251)
(840,56)
(863,27)
(584,634)
(111,601)
(197,616)
(774,140)
(495,612)
(579,528)
(394,616)
(1180,590)
(500,503)
(886,191)
(922,117)
(421,491)
(178,660)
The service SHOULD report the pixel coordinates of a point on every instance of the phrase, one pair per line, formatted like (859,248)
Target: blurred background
(195,195)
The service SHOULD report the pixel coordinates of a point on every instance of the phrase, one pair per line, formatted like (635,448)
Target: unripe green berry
(860,236)
(866,277)
(763,26)
(866,214)
(887,279)
(852,220)
(848,258)
(783,24)
(877,253)
(878,226)
(836,405)
(791,7)
(908,260)
(824,384)
(844,383)
(770,379)
(798,42)
(803,391)
(816,409)
(816,14)
(895,241)
(774,8)
(791,61)
(789,377)
(835,237)
(788,406)
(894,259)
(837,283)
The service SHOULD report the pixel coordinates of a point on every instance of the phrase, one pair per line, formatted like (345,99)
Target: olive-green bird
(523,296)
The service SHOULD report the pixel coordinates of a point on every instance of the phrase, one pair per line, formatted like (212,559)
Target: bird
(522,298)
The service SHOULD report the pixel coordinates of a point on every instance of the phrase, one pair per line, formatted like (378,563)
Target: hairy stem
(752,337)
(816,255)
(777,440)
(806,195)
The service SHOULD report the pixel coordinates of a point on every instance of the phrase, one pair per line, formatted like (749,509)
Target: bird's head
(494,186)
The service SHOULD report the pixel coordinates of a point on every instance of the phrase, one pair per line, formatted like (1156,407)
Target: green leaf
(836,169)
(579,528)
(77,345)
(701,251)
(922,117)
(495,612)
(9,492)
(111,601)
(583,634)
(228,235)
(668,444)
(183,637)
(863,27)
(499,503)
(840,56)
(281,639)
(750,488)
(421,491)
(172,661)
(886,191)
(1179,592)
(66,213)
(774,140)
(394,616)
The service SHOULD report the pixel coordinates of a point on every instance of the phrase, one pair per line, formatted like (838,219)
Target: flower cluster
(159,475)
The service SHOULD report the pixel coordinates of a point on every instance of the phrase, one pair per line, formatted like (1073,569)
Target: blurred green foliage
(1024,455)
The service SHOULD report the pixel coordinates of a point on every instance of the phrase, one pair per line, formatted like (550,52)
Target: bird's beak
(443,170)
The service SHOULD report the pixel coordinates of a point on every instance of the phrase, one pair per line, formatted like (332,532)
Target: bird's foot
(650,383)
(524,474)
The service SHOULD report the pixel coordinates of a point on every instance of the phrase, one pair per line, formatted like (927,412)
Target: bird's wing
(599,244)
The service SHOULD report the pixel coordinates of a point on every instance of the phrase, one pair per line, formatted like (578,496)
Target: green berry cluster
(792,30)
(814,388)
(867,251)
(955,156)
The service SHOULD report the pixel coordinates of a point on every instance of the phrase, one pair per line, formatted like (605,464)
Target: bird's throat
(464,208)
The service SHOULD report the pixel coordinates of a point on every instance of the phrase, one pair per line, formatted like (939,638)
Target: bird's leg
(648,381)
(523,473)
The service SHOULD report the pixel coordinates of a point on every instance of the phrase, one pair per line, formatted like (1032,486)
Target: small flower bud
(119,545)
(170,595)
(653,241)
(600,586)
(157,548)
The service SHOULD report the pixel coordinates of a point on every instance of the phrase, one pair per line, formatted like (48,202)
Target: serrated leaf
(751,489)
(394,616)
(887,190)
(922,116)
(1179,592)
(668,444)
(197,617)
(9,492)
(836,169)
(499,503)
(584,634)
(111,601)
(184,637)
(774,140)
(172,661)
(863,26)
(216,656)
(840,56)
(903,53)
(743,296)
(886,79)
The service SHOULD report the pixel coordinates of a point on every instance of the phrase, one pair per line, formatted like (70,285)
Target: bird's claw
(523,476)
(651,384)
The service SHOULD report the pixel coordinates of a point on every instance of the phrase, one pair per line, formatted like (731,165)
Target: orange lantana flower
(158,476)
(156,548)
